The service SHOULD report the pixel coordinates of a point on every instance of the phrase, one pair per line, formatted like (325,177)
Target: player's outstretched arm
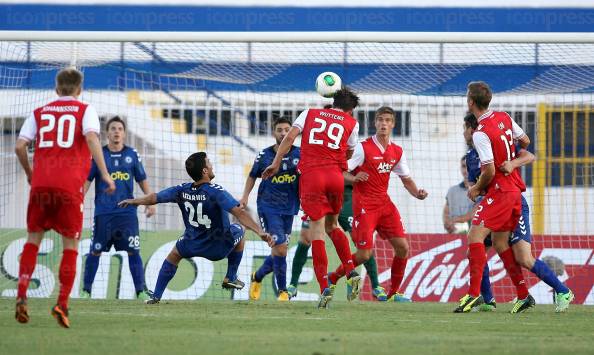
(411,187)
(95,148)
(146,188)
(524,158)
(247,221)
(147,200)
(283,149)
(249,185)
(20,150)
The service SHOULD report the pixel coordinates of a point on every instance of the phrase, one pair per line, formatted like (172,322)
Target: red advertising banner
(437,269)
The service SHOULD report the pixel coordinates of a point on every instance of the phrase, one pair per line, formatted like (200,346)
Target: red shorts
(386,221)
(55,209)
(499,211)
(320,192)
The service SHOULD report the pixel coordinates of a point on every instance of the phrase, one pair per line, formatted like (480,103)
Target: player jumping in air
(278,203)
(113,225)
(520,240)
(373,161)
(205,209)
(66,132)
(328,139)
(501,208)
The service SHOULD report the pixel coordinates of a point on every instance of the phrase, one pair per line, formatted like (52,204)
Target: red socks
(339,272)
(320,262)
(343,249)
(477,258)
(26,268)
(67,275)
(514,270)
(398,267)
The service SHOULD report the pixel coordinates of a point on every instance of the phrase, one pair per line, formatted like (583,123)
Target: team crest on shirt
(500,125)
(295,161)
(128,160)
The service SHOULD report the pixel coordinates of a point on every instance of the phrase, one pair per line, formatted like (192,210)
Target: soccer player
(345,219)
(66,132)
(520,240)
(113,225)
(329,137)
(205,210)
(500,210)
(373,210)
(278,203)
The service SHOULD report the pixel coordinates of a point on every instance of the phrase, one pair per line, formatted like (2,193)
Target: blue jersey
(205,209)
(125,167)
(279,194)
(473,165)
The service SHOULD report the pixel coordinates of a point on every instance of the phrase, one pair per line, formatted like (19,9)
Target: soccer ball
(328,83)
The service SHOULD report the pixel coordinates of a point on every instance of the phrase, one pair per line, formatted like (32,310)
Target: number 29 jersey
(62,158)
(205,209)
(326,135)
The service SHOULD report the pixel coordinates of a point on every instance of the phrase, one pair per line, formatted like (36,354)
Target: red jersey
(494,141)
(371,157)
(62,158)
(326,135)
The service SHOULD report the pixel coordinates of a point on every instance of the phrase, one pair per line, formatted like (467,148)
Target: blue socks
(265,269)
(233,261)
(547,275)
(165,275)
(137,271)
(280,271)
(91,266)
(486,291)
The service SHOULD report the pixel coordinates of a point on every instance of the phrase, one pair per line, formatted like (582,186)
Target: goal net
(179,98)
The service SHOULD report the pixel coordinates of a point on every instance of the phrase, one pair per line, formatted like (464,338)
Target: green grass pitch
(228,327)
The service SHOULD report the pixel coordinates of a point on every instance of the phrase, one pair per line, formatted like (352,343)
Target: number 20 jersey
(62,158)
(326,135)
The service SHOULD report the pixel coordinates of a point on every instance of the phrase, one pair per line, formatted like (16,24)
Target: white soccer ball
(328,83)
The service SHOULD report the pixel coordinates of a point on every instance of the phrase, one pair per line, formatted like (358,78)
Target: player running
(66,134)
(520,240)
(500,210)
(205,209)
(329,137)
(345,219)
(278,203)
(113,225)
(373,210)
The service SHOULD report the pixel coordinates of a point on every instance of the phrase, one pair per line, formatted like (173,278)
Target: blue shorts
(119,230)
(522,231)
(212,248)
(279,226)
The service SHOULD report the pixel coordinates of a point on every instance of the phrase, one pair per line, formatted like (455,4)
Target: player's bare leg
(477,258)
(401,249)
(26,269)
(67,275)
(501,244)
(523,254)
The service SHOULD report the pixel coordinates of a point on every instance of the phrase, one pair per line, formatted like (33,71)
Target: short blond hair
(68,81)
